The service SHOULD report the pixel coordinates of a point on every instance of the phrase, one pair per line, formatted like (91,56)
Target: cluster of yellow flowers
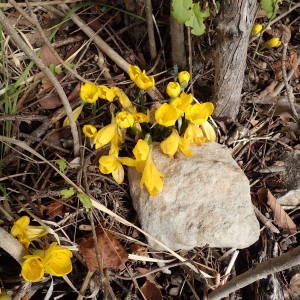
(55,260)
(180,107)
(274,42)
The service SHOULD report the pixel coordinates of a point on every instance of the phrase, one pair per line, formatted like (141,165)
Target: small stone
(205,200)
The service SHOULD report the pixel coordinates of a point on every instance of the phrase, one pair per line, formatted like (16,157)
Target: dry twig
(262,270)
(31,55)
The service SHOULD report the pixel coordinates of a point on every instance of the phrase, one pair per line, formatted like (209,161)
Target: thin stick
(31,55)
(289,89)
(259,271)
(150,29)
(39,3)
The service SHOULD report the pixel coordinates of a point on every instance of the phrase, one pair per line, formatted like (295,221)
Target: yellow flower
(32,268)
(182,103)
(110,164)
(144,82)
(141,150)
(26,233)
(173,89)
(194,135)
(89,92)
(166,115)
(89,130)
(273,43)
(152,177)
(140,78)
(124,119)
(170,145)
(256,29)
(55,260)
(106,93)
(199,113)
(141,117)
(105,135)
(134,71)
(208,131)
(184,78)
(123,99)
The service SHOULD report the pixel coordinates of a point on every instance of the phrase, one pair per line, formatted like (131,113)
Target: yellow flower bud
(166,115)
(273,43)
(170,145)
(89,130)
(256,29)
(124,119)
(184,78)
(89,92)
(173,89)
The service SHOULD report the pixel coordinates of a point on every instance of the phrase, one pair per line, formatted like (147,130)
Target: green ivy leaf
(62,164)
(85,200)
(181,10)
(67,193)
(196,19)
(270,7)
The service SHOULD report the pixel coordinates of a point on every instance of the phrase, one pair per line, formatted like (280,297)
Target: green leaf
(270,7)
(181,10)
(85,200)
(67,193)
(62,164)
(196,19)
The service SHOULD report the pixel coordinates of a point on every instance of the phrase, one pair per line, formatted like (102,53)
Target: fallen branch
(12,246)
(262,270)
(31,55)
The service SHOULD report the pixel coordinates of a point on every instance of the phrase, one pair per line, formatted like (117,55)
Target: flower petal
(170,145)
(105,135)
(199,113)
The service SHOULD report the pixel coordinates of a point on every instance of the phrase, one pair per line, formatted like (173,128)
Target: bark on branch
(234,26)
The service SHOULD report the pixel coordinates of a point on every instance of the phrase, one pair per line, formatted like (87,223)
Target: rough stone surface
(205,200)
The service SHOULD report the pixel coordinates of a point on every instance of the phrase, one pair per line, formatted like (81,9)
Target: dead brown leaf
(50,102)
(54,209)
(282,219)
(112,253)
(48,57)
(151,291)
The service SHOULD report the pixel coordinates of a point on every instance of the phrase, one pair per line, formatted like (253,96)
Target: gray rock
(205,200)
